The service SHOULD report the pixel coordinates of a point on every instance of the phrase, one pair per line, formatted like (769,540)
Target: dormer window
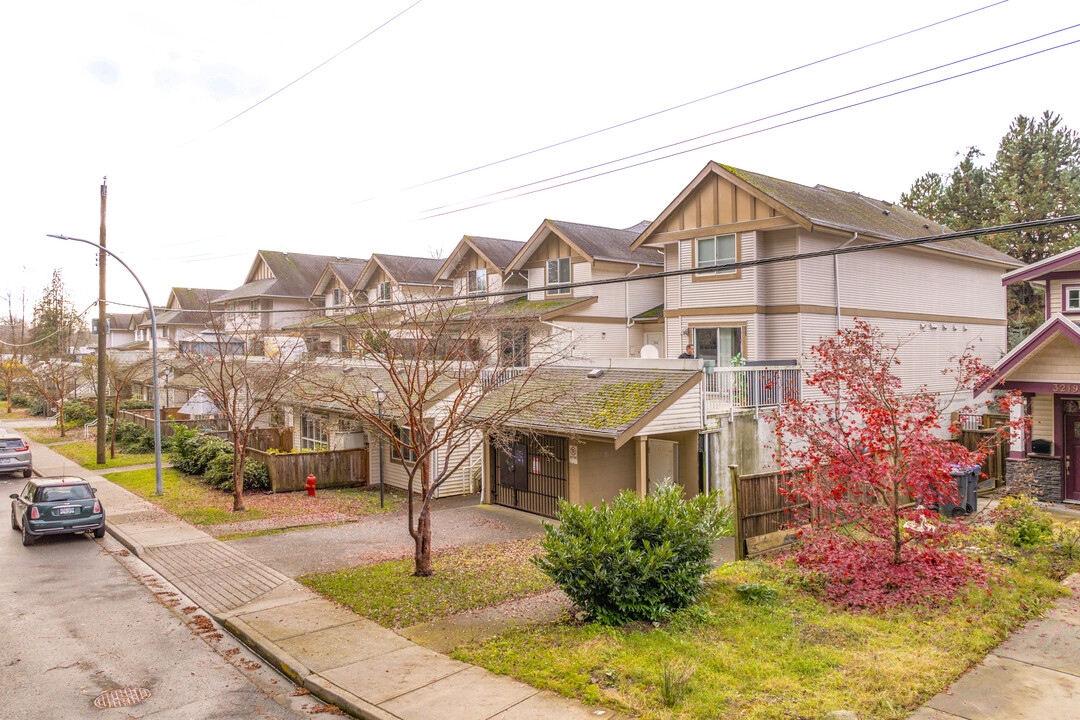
(718,250)
(385,291)
(339,297)
(558,273)
(477,282)
(1072,298)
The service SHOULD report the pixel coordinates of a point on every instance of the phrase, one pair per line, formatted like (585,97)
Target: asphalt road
(80,616)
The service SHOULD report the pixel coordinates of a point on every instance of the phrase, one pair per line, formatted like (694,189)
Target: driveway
(455,522)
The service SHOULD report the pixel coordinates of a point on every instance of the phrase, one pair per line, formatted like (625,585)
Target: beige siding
(1042,417)
(262,272)
(679,331)
(911,280)
(683,414)
(696,293)
(1056,362)
(716,201)
(777,337)
(605,471)
(1054,288)
(924,353)
(596,340)
(778,284)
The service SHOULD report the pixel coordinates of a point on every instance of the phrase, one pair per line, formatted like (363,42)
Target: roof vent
(598,372)
(884,212)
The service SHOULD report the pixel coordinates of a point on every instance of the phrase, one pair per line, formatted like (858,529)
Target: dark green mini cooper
(56,505)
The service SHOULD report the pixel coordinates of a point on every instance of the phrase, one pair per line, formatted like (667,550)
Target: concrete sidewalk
(342,658)
(1033,675)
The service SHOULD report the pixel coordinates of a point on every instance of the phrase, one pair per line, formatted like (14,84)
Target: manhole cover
(121,697)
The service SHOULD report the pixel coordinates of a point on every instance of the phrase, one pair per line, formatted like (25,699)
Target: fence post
(740,550)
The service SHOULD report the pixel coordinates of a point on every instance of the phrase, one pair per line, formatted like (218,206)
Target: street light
(153,338)
(380,396)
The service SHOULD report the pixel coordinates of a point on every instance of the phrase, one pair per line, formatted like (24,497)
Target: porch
(729,389)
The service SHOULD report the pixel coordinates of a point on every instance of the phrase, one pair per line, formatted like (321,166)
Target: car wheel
(27,472)
(14,525)
(27,538)
(100,532)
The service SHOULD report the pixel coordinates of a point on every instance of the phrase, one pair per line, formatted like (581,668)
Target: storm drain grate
(121,697)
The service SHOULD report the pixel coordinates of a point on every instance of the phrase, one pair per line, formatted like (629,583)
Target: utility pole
(102,423)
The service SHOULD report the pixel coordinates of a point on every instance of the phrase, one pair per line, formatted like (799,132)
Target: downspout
(836,277)
(626,307)
(564,329)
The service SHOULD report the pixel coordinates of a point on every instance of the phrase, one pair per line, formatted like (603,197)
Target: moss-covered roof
(651,314)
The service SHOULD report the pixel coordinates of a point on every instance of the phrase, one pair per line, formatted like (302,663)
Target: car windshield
(57,493)
(11,444)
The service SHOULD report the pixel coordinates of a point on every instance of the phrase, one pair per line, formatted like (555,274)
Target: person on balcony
(688,354)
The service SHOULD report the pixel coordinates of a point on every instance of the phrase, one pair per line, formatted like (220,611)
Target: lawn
(793,657)
(15,414)
(84,452)
(51,435)
(464,579)
(189,499)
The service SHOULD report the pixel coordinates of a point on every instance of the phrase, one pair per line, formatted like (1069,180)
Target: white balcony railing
(732,388)
(490,377)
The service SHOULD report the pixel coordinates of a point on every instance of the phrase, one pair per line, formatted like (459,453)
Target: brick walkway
(213,574)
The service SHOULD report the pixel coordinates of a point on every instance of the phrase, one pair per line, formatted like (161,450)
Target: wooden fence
(261,439)
(763,517)
(993,465)
(331,468)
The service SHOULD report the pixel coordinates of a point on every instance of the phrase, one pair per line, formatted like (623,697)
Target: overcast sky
(138,91)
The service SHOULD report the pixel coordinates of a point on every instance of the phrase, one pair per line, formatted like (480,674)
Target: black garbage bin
(967,487)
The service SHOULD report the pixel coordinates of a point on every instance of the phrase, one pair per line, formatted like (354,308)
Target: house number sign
(1066,388)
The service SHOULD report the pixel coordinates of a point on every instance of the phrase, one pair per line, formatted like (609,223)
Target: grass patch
(192,500)
(84,452)
(49,435)
(15,414)
(465,579)
(789,656)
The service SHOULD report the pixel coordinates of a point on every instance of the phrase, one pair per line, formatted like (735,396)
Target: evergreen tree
(55,320)
(1035,174)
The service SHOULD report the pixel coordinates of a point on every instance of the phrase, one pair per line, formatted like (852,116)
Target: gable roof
(121,321)
(592,241)
(826,207)
(617,404)
(1056,325)
(1037,269)
(403,269)
(347,273)
(294,275)
(495,251)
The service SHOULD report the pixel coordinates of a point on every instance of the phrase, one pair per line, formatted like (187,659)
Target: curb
(296,671)
(123,538)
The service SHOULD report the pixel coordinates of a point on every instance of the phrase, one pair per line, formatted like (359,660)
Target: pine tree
(55,320)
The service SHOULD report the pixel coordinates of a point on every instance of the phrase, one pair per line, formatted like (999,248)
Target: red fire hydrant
(310,485)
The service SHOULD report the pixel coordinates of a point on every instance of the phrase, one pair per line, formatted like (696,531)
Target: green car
(54,506)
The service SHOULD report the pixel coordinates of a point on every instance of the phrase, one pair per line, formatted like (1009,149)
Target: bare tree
(245,372)
(122,369)
(13,369)
(54,378)
(443,371)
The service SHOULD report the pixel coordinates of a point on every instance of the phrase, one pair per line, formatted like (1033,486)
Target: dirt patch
(280,523)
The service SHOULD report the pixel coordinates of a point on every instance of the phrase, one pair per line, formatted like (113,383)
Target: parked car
(14,454)
(54,506)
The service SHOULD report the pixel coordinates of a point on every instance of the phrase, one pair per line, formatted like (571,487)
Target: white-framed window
(338,298)
(718,344)
(385,291)
(514,348)
(558,273)
(313,432)
(718,250)
(477,281)
(403,436)
(344,344)
(1071,298)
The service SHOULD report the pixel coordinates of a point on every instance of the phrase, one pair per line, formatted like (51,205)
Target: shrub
(192,451)
(756,593)
(635,559)
(19,400)
(35,406)
(1021,524)
(219,473)
(134,404)
(76,413)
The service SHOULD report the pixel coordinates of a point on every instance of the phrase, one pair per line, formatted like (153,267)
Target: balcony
(729,389)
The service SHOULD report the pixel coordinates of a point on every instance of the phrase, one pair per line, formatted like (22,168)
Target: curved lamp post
(153,340)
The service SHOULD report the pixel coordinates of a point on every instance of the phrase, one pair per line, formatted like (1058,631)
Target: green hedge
(196,454)
(635,559)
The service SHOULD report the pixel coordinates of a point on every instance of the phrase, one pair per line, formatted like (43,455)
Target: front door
(1072,457)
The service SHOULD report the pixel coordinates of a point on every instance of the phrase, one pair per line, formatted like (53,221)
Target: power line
(706,97)
(751,122)
(710,269)
(323,63)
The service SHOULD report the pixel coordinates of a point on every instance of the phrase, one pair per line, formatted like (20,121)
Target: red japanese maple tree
(872,462)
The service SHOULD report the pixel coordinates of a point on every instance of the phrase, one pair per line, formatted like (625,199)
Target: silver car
(14,454)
